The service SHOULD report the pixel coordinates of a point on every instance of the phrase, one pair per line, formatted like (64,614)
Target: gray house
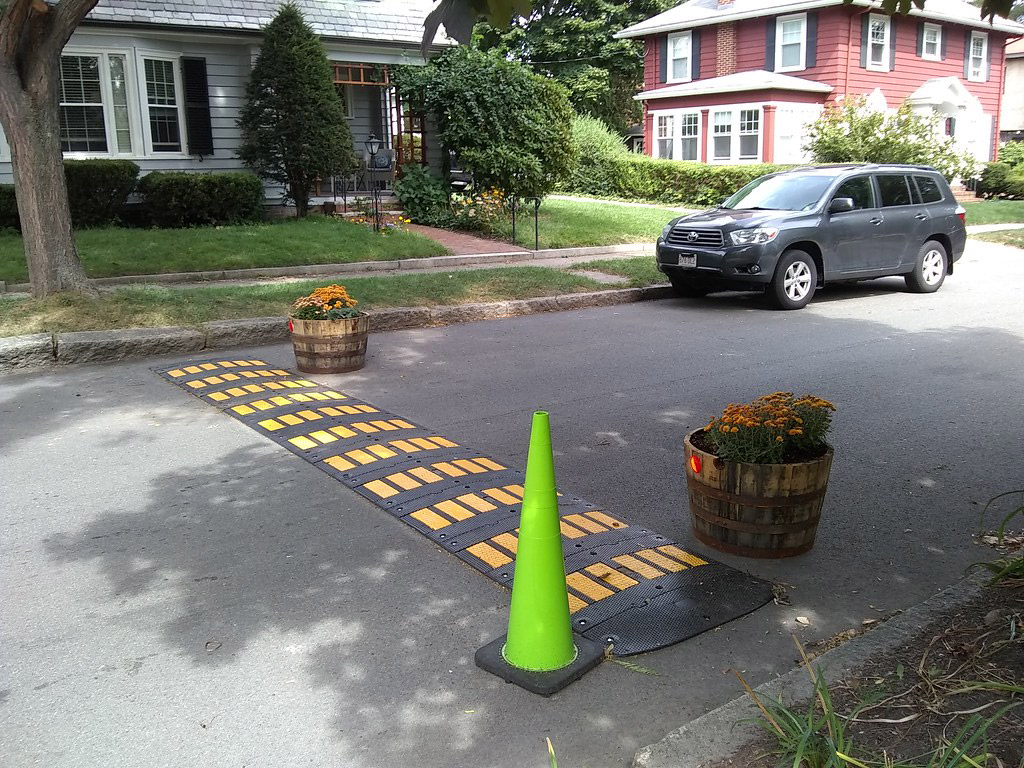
(162,83)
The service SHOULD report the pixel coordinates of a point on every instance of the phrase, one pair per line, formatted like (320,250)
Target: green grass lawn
(640,270)
(115,251)
(995,212)
(568,224)
(141,306)
(1014,237)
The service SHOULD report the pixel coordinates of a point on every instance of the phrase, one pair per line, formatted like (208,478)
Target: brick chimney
(724,3)
(725,48)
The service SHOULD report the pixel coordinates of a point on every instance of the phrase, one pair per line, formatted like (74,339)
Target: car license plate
(687,260)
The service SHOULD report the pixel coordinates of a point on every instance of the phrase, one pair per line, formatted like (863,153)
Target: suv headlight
(667,229)
(754,236)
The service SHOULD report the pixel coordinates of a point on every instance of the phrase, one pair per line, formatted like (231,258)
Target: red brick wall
(725,49)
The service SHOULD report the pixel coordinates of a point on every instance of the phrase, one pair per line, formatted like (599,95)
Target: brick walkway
(463,245)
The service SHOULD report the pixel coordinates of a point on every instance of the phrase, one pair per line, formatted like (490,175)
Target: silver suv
(789,233)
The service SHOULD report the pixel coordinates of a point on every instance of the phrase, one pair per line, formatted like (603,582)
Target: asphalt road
(179,591)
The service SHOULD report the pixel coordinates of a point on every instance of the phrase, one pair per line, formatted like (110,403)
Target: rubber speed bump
(626,585)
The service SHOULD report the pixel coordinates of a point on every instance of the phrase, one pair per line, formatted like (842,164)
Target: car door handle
(920,216)
(876,221)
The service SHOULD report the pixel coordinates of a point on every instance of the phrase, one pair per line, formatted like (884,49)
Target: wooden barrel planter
(755,510)
(330,346)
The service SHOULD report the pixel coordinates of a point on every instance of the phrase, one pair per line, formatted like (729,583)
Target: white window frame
(350,110)
(937,29)
(887,50)
(734,134)
(143,100)
(670,60)
(671,136)
(676,134)
(5,149)
(107,97)
(982,72)
(802,18)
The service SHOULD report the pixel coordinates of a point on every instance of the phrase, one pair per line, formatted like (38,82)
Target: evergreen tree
(293,123)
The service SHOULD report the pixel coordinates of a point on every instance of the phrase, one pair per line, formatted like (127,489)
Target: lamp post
(372,145)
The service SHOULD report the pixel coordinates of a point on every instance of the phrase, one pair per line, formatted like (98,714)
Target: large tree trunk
(32,35)
(53,262)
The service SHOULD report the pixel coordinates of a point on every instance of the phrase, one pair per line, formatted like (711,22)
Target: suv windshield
(791,192)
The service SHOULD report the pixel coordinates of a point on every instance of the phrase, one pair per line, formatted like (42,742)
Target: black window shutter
(769,44)
(695,55)
(865,32)
(892,43)
(197,106)
(662,52)
(920,38)
(812,39)
(988,67)
(967,54)
(943,34)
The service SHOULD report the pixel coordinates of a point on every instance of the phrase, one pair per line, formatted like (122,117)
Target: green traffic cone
(539,625)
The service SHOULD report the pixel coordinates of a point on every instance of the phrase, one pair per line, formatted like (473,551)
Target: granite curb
(32,351)
(718,734)
(398,265)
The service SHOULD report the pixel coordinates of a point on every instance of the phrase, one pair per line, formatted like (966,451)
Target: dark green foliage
(293,124)
(1002,180)
(573,42)
(8,208)
(182,199)
(510,127)
(423,196)
(1012,153)
(98,189)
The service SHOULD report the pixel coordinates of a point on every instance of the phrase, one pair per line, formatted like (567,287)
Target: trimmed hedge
(183,199)
(97,191)
(637,177)
(8,208)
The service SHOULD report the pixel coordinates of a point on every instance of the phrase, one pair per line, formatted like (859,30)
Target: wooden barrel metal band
(758,552)
(329,339)
(760,502)
(739,525)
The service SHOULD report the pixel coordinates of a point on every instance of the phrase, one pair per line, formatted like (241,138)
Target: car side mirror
(840,205)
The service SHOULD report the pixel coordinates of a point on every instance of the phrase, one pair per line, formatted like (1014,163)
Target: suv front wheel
(929,269)
(794,281)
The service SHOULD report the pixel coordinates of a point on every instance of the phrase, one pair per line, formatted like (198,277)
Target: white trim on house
(740,118)
(936,30)
(978,74)
(697,13)
(757,80)
(683,125)
(884,48)
(142,56)
(5,149)
(780,43)
(679,40)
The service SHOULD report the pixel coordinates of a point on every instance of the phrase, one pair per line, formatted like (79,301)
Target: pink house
(738,81)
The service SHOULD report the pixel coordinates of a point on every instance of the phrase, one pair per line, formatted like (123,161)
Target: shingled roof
(395,21)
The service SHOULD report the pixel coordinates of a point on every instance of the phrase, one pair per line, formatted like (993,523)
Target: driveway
(178,590)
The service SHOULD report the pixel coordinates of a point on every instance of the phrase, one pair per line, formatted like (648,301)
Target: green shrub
(8,208)
(98,189)
(1002,180)
(182,199)
(423,196)
(1012,153)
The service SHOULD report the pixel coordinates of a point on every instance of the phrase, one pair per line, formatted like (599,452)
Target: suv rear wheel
(794,281)
(687,288)
(929,269)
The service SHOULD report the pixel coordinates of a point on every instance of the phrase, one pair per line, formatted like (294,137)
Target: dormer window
(791,43)
(679,57)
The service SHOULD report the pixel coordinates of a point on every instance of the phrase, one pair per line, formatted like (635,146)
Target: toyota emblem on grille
(692,236)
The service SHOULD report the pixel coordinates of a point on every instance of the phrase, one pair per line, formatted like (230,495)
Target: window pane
(859,190)
(792,31)
(681,69)
(82,129)
(894,190)
(162,101)
(665,149)
(80,80)
(664,126)
(689,125)
(723,122)
(748,147)
(723,147)
(688,148)
(878,40)
(119,96)
(749,120)
(791,55)
(929,189)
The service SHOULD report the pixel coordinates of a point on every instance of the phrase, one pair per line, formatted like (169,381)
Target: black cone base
(588,655)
